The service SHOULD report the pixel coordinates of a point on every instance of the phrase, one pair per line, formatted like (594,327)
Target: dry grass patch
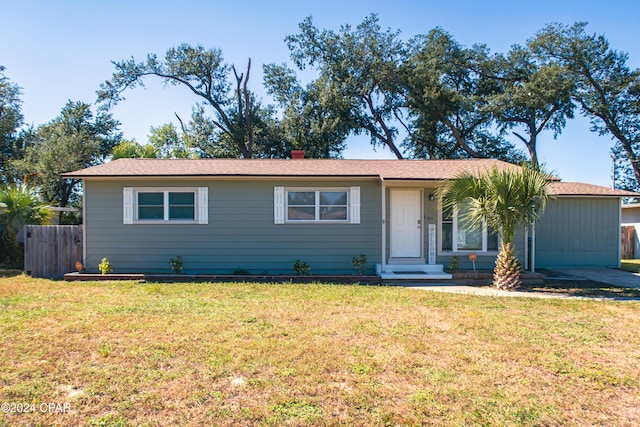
(252,354)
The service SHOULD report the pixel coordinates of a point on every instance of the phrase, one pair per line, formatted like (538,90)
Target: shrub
(360,264)
(105,266)
(453,266)
(176,264)
(301,268)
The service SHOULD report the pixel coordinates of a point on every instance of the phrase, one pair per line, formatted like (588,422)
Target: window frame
(454,236)
(317,205)
(197,212)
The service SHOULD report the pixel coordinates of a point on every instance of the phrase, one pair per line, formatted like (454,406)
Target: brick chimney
(297,154)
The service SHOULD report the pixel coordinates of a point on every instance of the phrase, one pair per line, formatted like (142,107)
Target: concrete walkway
(604,275)
(475,290)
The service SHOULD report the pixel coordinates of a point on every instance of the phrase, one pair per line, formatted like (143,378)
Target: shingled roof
(387,169)
(418,170)
(582,189)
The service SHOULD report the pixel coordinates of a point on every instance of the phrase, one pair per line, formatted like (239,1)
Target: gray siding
(241,233)
(631,215)
(579,232)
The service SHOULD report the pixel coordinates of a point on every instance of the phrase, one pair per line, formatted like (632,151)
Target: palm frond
(23,206)
(504,199)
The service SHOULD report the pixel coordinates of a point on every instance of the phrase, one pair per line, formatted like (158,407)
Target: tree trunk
(506,275)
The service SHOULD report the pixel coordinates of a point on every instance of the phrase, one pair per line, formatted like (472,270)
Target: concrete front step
(412,272)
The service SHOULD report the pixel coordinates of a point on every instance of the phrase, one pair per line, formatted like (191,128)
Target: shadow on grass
(9,273)
(583,288)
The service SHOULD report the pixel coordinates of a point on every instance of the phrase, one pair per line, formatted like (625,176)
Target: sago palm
(504,200)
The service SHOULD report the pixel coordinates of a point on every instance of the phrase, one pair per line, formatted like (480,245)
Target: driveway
(611,276)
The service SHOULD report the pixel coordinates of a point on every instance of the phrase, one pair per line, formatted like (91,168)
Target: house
(261,215)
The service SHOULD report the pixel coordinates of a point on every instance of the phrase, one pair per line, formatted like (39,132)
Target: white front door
(406,223)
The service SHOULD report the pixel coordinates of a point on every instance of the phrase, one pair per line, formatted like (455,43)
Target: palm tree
(503,200)
(21,206)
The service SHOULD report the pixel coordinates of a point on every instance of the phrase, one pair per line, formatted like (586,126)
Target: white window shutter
(278,205)
(354,205)
(203,205)
(127,205)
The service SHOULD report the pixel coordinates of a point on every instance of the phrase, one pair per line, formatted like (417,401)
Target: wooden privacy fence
(51,250)
(627,241)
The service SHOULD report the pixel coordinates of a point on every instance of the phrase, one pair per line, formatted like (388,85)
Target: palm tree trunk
(506,275)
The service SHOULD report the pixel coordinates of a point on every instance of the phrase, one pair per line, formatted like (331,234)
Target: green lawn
(630,265)
(123,353)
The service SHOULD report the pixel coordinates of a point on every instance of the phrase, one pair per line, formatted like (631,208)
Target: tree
(169,143)
(134,150)
(360,65)
(73,140)
(533,95)
(447,88)
(607,90)
(10,121)
(22,206)
(316,118)
(204,73)
(503,200)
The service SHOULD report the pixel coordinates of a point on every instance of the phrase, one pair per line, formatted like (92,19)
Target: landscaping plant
(301,268)
(360,264)
(503,200)
(22,207)
(176,264)
(105,266)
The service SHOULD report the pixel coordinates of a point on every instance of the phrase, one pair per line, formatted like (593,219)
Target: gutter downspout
(84,221)
(533,248)
(526,247)
(383,198)
(620,228)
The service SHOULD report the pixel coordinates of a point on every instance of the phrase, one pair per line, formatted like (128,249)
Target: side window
(148,205)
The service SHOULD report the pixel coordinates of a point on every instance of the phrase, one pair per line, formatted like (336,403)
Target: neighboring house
(261,215)
(631,217)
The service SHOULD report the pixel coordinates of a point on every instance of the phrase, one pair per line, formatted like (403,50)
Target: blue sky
(63,50)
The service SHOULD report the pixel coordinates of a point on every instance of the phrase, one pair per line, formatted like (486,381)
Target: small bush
(176,264)
(360,264)
(453,266)
(301,268)
(105,266)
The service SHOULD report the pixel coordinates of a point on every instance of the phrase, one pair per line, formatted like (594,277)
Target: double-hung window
(151,205)
(318,205)
(459,236)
